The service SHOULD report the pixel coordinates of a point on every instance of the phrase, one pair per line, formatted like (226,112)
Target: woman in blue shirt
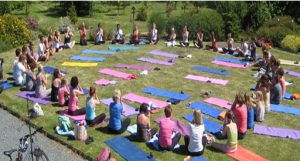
(90,115)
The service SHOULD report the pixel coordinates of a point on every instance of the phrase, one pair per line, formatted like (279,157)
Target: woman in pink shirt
(63,93)
(239,110)
(167,127)
(75,91)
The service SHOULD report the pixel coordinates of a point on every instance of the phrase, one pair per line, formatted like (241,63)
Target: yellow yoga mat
(289,62)
(77,64)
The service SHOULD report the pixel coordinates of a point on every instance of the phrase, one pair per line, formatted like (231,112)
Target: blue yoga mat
(287,95)
(165,93)
(211,70)
(210,126)
(51,70)
(206,109)
(229,60)
(127,150)
(198,159)
(102,52)
(86,58)
(285,109)
(6,85)
(122,48)
(85,91)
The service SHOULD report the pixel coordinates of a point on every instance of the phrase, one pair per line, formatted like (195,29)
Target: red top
(240,113)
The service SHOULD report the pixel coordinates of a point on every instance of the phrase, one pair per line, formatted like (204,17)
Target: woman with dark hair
(135,35)
(75,91)
(276,92)
(91,102)
(199,39)
(144,131)
(100,39)
(56,82)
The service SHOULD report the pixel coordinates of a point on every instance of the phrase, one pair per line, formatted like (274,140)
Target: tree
(184,6)
(72,14)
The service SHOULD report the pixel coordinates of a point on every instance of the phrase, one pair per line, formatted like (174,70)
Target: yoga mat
(206,109)
(116,73)
(141,99)
(132,129)
(219,102)
(206,79)
(277,132)
(210,126)
(6,85)
(87,58)
(180,127)
(127,150)
(49,69)
(85,91)
(155,61)
(229,64)
(292,73)
(165,93)
(122,48)
(128,109)
(136,67)
(30,95)
(154,142)
(198,159)
(289,62)
(75,118)
(101,52)
(243,154)
(77,64)
(102,82)
(165,54)
(229,60)
(285,109)
(211,70)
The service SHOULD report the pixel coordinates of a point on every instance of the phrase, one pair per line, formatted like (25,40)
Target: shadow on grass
(10,79)
(182,150)
(105,130)
(9,73)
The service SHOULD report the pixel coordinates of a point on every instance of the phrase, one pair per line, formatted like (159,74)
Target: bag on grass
(80,131)
(36,111)
(104,155)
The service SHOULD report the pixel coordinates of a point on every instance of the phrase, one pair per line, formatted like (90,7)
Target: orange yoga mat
(243,154)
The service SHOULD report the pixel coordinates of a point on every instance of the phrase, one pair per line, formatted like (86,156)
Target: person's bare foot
(187,158)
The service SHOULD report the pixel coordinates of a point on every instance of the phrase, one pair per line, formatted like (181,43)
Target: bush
(4,46)
(72,14)
(32,24)
(142,14)
(206,20)
(64,23)
(277,28)
(291,43)
(160,20)
(13,30)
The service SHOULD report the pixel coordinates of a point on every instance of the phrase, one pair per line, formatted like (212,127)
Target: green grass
(171,78)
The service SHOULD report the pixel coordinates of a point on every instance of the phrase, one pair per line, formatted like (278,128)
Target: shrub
(277,28)
(72,14)
(160,20)
(206,20)
(64,23)
(13,30)
(291,43)
(32,24)
(4,46)
(142,14)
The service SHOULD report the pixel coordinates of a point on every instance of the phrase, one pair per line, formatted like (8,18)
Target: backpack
(104,154)
(64,123)
(80,131)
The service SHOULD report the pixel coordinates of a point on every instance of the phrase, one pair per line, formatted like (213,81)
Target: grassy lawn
(171,78)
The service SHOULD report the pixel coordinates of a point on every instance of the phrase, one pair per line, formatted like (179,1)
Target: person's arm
(45,79)
(79,90)
(96,100)
(224,131)
(148,122)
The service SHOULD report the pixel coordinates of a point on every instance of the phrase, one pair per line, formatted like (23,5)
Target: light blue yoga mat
(165,93)
(127,150)
(122,48)
(211,70)
(285,109)
(229,60)
(86,58)
(101,52)
(206,109)
(198,159)
(210,126)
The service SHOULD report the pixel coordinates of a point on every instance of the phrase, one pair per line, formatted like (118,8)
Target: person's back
(90,109)
(276,94)
(260,111)
(240,112)
(115,120)
(232,136)
(165,133)
(20,69)
(62,93)
(29,81)
(250,118)
(196,134)
(142,127)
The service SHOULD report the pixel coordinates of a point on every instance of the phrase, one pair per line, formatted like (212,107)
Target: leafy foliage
(160,20)
(291,43)
(72,14)
(142,14)
(64,23)
(32,24)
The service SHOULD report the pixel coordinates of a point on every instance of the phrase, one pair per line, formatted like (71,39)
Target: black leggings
(175,141)
(77,112)
(121,41)
(96,120)
(187,141)
(125,124)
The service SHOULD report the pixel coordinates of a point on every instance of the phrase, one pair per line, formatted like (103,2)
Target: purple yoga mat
(155,61)
(277,132)
(30,95)
(292,73)
(136,67)
(128,109)
(75,118)
(162,53)
(180,127)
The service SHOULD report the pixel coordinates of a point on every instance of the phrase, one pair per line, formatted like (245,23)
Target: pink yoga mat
(141,99)
(180,127)
(206,79)
(103,82)
(229,64)
(219,102)
(117,74)
(75,118)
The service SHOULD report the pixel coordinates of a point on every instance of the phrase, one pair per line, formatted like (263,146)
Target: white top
(154,34)
(118,34)
(196,134)
(260,111)
(185,37)
(41,49)
(19,70)
(99,34)
(245,48)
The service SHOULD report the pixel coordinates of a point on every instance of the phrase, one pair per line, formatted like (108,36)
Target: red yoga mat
(243,154)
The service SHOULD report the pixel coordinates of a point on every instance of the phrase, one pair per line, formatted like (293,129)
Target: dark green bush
(72,14)
(160,20)
(142,14)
